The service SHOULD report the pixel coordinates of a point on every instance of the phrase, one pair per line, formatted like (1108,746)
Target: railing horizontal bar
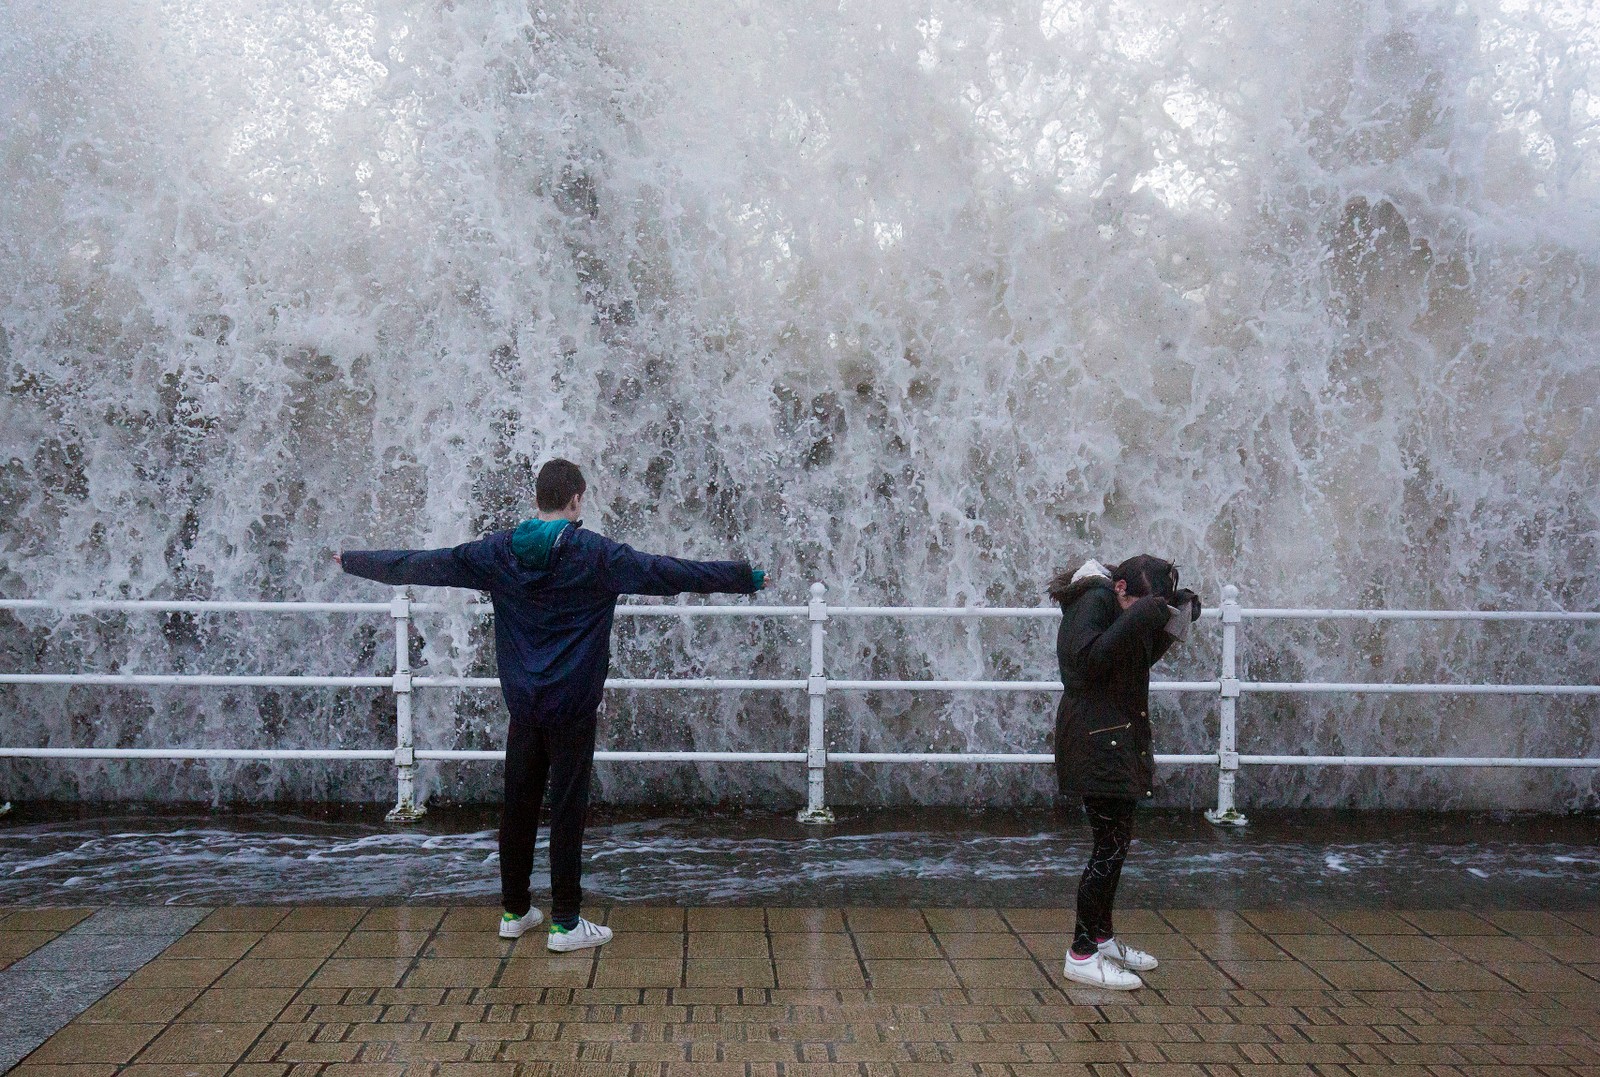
(386,754)
(1409,761)
(958,612)
(968,612)
(1423,689)
(777,757)
(707,684)
(634,609)
(981,757)
(943,686)
(87,605)
(290,681)
(702,684)
(937,757)
(92,605)
(999,686)
(732,684)
(199,680)
(1417,615)
(700,757)
(463,756)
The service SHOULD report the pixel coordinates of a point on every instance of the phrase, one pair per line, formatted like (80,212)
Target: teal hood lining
(533,540)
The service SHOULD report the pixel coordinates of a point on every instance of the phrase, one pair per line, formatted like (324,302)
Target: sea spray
(923,300)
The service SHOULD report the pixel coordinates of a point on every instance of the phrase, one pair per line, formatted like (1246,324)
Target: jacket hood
(1067,589)
(534,540)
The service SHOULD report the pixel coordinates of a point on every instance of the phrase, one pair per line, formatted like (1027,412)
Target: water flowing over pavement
(1327,859)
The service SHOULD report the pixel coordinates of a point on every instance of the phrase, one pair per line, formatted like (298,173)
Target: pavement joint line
(1055,989)
(855,946)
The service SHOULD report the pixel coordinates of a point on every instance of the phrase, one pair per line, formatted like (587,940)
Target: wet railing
(1228,689)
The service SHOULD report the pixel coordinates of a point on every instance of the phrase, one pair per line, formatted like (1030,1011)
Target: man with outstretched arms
(554,587)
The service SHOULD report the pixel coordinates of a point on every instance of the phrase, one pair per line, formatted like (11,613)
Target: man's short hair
(558,483)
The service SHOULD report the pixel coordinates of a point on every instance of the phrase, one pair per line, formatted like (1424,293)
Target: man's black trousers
(558,760)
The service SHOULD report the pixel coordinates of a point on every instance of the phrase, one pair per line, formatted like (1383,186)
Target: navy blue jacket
(552,624)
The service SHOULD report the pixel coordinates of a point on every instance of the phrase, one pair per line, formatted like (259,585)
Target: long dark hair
(1143,575)
(1057,587)
(1147,575)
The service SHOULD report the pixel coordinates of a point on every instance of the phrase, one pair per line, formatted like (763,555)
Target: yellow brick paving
(873,992)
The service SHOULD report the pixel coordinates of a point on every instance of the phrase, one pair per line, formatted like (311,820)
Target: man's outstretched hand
(338,558)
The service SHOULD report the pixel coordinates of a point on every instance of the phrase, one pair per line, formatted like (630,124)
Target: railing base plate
(1231,817)
(406,813)
(818,816)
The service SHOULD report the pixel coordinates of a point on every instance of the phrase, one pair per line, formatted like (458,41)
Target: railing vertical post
(816,809)
(406,809)
(1226,813)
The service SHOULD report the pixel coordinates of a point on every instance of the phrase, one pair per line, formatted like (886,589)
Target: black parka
(1103,737)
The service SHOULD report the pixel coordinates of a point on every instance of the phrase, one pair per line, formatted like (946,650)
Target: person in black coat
(1117,622)
(554,588)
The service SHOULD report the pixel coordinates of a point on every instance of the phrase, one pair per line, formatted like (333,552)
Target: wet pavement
(324,941)
(431,991)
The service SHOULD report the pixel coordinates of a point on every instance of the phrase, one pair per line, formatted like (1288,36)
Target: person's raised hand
(1183,597)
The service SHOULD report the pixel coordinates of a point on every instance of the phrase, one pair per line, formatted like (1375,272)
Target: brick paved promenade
(897,992)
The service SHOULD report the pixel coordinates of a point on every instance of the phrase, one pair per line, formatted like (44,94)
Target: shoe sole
(520,930)
(574,949)
(1138,983)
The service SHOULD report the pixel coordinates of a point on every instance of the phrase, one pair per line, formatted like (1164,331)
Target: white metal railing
(817,685)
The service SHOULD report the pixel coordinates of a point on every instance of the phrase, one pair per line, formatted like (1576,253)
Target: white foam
(926,302)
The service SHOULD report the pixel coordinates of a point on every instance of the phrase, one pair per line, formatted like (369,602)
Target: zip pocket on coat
(1109,729)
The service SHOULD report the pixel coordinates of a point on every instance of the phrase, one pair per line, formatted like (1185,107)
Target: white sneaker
(512,927)
(1127,956)
(1096,971)
(581,937)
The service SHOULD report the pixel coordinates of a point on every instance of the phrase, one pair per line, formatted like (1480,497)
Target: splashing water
(925,300)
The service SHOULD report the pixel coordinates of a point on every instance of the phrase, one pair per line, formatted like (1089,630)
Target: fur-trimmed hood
(1066,588)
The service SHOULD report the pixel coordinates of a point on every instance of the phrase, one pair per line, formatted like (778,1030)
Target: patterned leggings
(1111,820)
